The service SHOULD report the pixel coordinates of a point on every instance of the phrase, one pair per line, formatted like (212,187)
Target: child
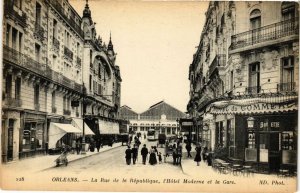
(159,158)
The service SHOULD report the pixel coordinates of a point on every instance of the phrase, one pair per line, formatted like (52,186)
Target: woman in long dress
(152,159)
(198,155)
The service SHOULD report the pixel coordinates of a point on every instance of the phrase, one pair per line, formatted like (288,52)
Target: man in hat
(128,155)
(144,153)
(134,153)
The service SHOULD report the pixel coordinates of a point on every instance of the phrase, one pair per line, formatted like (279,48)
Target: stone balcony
(15,13)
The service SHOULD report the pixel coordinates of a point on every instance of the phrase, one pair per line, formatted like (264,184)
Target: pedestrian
(130,139)
(179,154)
(78,146)
(174,154)
(73,146)
(128,155)
(134,151)
(198,155)
(152,159)
(159,158)
(204,154)
(144,153)
(188,149)
(98,144)
(155,150)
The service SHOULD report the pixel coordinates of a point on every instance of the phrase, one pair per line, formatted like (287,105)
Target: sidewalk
(43,162)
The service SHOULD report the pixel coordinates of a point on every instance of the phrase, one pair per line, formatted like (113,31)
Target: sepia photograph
(149,96)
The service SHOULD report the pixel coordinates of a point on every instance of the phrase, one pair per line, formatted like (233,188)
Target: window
(255,19)
(90,82)
(251,140)
(67,39)
(38,9)
(231,80)
(78,49)
(64,103)
(54,61)
(287,74)
(8,28)
(54,29)
(53,99)
(254,78)
(33,136)
(18,3)
(36,94)
(8,86)
(14,38)
(18,88)
(220,137)
(37,52)
(287,141)
(91,58)
(20,42)
(288,10)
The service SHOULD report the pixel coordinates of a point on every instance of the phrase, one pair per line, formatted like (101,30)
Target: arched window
(288,10)
(255,19)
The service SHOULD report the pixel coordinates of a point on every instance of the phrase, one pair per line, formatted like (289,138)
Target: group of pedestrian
(177,153)
(204,155)
(133,154)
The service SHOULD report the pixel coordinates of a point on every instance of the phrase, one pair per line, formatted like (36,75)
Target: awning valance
(254,105)
(58,130)
(78,123)
(107,127)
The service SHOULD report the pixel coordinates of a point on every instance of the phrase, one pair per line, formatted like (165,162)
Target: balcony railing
(253,90)
(70,21)
(15,13)
(219,61)
(13,102)
(266,33)
(78,62)
(56,44)
(54,109)
(13,56)
(39,32)
(285,87)
(68,54)
(67,112)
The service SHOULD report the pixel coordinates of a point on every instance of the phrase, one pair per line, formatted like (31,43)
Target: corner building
(44,72)
(244,82)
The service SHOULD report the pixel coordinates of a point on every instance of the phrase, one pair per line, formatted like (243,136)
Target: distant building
(244,81)
(161,116)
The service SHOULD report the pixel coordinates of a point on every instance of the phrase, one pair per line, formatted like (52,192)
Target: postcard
(150,96)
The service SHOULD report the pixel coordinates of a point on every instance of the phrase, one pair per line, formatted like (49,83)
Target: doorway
(10,140)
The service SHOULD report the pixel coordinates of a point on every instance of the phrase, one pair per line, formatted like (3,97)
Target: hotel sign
(253,108)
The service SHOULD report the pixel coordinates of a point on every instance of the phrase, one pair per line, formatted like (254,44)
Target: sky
(155,42)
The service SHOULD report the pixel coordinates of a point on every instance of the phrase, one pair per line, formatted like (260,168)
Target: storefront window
(251,140)
(287,141)
(29,136)
(39,136)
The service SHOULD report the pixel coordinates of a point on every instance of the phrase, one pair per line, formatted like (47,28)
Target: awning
(107,127)
(78,123)
(255,105)
(58,130)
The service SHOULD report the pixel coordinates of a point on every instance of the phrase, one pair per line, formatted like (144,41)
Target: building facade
(161,117)
(44,76)
(244,81)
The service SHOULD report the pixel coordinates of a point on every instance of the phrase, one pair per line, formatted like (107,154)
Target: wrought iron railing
(68,54)
(39,32)
(70,21)
(253,89)
(288,86)
(219,60)
(56,43)
(17,15)
(266,33)
(13,102)
(17,58)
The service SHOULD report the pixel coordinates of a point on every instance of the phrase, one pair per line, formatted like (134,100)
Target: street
(113,161)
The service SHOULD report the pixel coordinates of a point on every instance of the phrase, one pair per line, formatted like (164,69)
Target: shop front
(259,131)
(33,134)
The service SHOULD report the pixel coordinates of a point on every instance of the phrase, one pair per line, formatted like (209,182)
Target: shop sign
(253,108)
(187,123)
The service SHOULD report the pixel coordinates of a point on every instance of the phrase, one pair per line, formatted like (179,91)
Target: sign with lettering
(187,123)
(253,108)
